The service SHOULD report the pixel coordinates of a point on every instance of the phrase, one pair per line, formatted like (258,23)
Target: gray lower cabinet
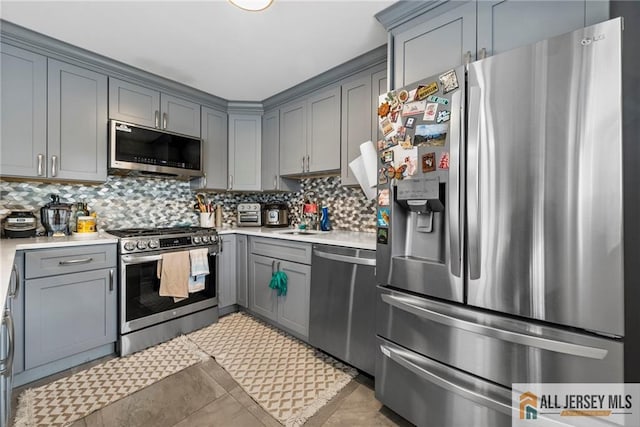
(77,123)
(145,106)
(291,311)
(68,314)
(214,150)
(66,308)
(227,271)
(242,271)
(23,121)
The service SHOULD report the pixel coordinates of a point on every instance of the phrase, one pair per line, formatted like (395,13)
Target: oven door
(140,302)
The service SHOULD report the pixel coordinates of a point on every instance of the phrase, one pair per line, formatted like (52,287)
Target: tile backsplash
(161,202)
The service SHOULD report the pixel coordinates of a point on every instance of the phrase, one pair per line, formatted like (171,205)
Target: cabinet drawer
(49,262)
(282,249)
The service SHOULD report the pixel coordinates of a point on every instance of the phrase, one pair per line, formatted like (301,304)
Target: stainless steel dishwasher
(342,314)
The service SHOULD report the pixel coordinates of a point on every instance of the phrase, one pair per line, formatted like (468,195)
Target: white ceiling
(212,45)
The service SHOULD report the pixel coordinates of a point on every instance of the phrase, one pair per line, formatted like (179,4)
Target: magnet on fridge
(443,116)
(403,96)
(385,126)
(410,122)
(383,197)
(423,91)
(428,162)
(443,163)
(413,108)
(438,99)
(430,111)
(384,109)
(382,236)
(387,156)
(382,176)
(384,217)
(449,81)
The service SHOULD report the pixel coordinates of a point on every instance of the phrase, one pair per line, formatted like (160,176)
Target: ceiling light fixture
(252,5)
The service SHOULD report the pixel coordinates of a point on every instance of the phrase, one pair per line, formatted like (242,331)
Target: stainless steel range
(146,318)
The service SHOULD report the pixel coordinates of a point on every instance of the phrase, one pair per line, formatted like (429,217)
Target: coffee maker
(55,217)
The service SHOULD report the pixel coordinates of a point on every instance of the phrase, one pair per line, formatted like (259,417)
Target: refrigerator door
(544,181)
(425,237)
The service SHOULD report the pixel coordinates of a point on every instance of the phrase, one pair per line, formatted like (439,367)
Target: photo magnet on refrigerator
(382,236)
(429,162)
(430,112)
(414,108)
(383,197)
(443,163)
(382,176)
(449,81)
(384,217)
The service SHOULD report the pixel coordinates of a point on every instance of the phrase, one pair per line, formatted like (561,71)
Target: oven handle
(138,259)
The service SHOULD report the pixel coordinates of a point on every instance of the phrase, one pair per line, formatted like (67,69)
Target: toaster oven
(249,215)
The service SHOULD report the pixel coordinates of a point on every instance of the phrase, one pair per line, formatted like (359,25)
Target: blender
(55,217)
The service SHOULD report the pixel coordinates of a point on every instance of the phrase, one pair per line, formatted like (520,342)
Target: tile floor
(206,395)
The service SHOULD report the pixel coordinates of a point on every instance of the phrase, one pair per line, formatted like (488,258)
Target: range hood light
(252,5)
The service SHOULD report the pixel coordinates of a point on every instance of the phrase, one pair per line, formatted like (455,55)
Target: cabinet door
(134,104)
(242,271)
(434,46)
(262,299)
(77,123)
(179,115)
(214,149)
(293,308)
(69,314)
(378,87)
(323,130)
(245,133)
(507,24)
(293,137)
(227,271)
(356,121)
(23,114)
(270,150)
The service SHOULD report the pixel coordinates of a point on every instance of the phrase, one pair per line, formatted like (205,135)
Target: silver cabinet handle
(221,243)
(273,267)
(467,57)
(164,120)
(278,266)
(76,261)
(275,182)
(455,221)
(345,258)
(473,182)
(204,180)
(157,118)
(302,164)
(111,280)
(404,304)
(16,276)
(40,164)
(453,385)
(230,182)
(54,165)
(483,53)
(8,361)
(308,163)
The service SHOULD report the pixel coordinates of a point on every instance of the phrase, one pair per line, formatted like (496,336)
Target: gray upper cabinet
(214,149)
(430,47)
(245,134)
(148,107)
(23,118)
(378,87)
(356,121)
(270,150)
(293,135)
(77,123)
(323,130)
(507,24)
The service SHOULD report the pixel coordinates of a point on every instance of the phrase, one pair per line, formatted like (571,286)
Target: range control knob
(196,240)
(129,246)
(205,239)
(154,244)
(141,245)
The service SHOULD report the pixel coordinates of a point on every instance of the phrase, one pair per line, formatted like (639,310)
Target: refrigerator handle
(457,135)
(450,384)
(473,182)
(544,343)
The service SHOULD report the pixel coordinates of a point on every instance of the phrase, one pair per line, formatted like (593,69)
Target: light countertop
(8,247)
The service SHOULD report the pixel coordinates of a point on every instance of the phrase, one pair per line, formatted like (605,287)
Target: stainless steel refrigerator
(506,264)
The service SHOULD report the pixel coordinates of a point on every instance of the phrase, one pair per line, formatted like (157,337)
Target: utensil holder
(207,219)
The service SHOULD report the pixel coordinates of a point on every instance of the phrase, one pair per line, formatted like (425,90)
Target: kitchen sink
(301,232)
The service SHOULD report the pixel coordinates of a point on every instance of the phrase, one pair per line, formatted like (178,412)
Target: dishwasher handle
(345,258)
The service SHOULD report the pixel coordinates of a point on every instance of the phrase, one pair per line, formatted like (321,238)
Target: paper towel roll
(357,166)
(370,159)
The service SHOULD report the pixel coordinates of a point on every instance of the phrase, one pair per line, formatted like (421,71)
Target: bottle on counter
(325,222)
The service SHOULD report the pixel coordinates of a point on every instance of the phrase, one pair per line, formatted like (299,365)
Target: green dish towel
(279,282)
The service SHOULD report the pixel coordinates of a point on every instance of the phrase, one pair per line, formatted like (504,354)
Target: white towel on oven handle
(199,269)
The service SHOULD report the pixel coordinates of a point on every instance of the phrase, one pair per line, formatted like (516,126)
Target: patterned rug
(288,378)
(68,399)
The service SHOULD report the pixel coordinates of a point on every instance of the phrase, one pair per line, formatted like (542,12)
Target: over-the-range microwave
(138,148)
